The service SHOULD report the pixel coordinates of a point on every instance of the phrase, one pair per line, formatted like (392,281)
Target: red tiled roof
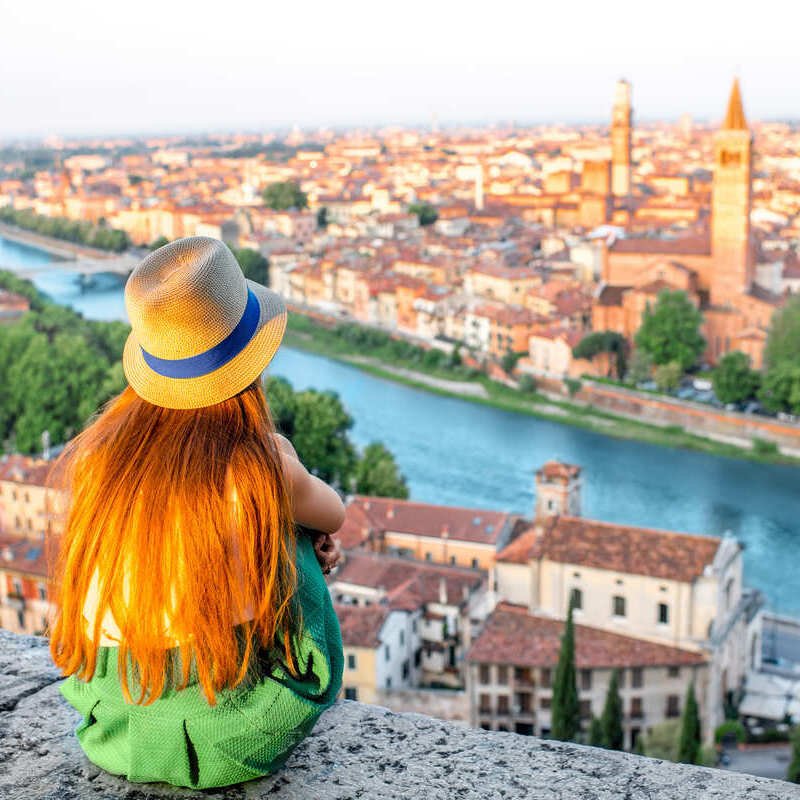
(558,470)
(24,469)
(619,548)
(361,625)
(434,521)
(687,246)
(409,584)
(511,635)
(24,555)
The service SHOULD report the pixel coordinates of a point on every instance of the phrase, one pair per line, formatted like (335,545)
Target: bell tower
(558,490)
(621,131)
(731,242)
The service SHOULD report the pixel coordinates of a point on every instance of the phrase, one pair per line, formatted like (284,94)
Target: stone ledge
(355,751)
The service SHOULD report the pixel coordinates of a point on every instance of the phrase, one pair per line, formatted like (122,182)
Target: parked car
(702,384)
(686,393)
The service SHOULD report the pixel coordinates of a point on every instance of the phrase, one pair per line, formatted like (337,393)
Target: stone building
(511,668)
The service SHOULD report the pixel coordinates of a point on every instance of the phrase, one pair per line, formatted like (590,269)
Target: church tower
(731,244)
(621,130)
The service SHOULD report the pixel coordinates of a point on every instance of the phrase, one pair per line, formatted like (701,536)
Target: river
(455,452)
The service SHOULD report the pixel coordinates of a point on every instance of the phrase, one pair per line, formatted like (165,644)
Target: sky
(84,67)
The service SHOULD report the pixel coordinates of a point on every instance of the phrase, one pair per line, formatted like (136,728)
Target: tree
(784,334)
(596,733)
(641,367)
(689,744)
(603,342)
(159,241)
(509,360)
(613,736)
(565,706)
(668,376)
(793,773)
(671,331)
(527,384)
(780,389)
(426,213)
(377,474)
(661,741)
(284,195)
(734,381)
(253,264)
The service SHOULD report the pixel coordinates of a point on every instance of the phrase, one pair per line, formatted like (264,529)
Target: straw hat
(201,331)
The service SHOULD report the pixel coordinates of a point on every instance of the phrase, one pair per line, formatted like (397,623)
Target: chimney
(465,592)
(445,531)
(390,512)
(442,591)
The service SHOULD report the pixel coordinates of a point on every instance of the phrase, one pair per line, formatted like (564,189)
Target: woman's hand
(327,550)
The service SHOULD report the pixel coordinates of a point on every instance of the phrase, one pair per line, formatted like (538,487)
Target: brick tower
(558,490)
(621,130)
(731,243)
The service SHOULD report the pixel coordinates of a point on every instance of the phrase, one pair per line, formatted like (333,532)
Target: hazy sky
(85,67)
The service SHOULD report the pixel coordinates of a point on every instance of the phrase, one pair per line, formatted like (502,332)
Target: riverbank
(306,334)
(69,251)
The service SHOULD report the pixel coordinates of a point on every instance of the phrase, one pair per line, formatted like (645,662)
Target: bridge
(120,264)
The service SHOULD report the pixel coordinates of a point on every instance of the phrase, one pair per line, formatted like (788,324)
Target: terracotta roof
(409,584)
(619,548)
(24,555)
(611,295)
(24,469)
(511,635)
(686,246)
(434,521)
(361,625)
(558,470)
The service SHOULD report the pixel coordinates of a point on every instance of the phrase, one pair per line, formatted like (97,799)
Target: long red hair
(148,494)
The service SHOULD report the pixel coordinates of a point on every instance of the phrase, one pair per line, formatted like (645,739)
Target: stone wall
(355,751)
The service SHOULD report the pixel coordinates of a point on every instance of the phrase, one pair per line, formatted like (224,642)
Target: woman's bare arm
(316,505)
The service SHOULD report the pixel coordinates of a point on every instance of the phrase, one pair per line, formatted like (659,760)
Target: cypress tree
(689,746)
(613,736)
(566,711)
(595,733)
(793,773)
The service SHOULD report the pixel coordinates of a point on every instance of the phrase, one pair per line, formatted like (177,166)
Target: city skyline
(165,73)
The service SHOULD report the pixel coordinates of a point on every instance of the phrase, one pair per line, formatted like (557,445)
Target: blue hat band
(203,363)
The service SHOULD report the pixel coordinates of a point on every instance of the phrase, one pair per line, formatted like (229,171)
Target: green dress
(181,740)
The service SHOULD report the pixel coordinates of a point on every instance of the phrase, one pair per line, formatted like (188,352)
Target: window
(389,682)
(27,497)
(636,708)
(673,672)
(502,675)
(417,656)
(350,693)
(405,669)
(637,678)
(30,524)
(576,598)
(586,679)
(414,626)
(485,701)
(42,592)
(673,705)
(474,563)
(585,708)
(427,556)
(351,661)
(17,587)
(402,637)
(21,619)
(452,559)
(618,605)
(525,702)
(523,675)
(663,613)
(621,677)
(386,652)
(13,494)
(525,728)
(17,522)
(544,702)
(483,674)
(545,679)
(502,704)
(486,726)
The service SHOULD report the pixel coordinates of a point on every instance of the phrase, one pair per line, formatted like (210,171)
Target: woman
(191,613)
